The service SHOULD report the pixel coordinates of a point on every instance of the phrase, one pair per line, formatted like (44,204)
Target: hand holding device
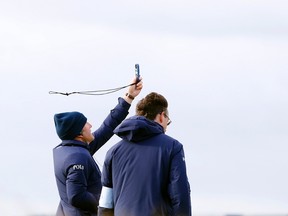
(137,72)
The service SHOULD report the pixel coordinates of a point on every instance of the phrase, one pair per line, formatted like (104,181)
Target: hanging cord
(96,92)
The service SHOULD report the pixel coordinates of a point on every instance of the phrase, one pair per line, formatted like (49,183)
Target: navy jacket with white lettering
(78,177)
(147,171)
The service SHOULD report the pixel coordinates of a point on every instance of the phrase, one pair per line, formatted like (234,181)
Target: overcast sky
(222,65)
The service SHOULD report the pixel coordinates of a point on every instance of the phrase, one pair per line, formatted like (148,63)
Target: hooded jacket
(147,171)
(77,175)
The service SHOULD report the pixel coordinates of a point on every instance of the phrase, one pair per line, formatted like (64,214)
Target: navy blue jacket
(147,171)
(78,177)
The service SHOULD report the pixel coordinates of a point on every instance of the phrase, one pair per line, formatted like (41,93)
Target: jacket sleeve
(105,131)
(179,188)
(106,177)
(76,184)
(106,203)
(105,211)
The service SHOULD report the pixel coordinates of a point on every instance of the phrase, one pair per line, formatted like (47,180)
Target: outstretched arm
(115,117)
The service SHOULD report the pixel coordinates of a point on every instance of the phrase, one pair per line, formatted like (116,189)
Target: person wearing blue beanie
(78,177)
(69,124)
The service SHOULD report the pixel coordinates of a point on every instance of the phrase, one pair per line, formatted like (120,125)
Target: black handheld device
(137,72)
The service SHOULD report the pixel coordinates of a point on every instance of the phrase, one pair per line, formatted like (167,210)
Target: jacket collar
(74,143)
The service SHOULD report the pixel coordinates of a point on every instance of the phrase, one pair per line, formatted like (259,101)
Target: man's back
(147,172)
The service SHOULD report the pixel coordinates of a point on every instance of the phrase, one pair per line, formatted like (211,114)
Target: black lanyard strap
(96,92)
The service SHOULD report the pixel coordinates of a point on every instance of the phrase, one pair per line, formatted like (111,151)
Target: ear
(158,118)
(161,117)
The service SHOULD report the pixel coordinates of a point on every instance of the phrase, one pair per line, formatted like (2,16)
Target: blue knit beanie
(69,124)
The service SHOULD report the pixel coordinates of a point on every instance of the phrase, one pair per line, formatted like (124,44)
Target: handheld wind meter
(137,72)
